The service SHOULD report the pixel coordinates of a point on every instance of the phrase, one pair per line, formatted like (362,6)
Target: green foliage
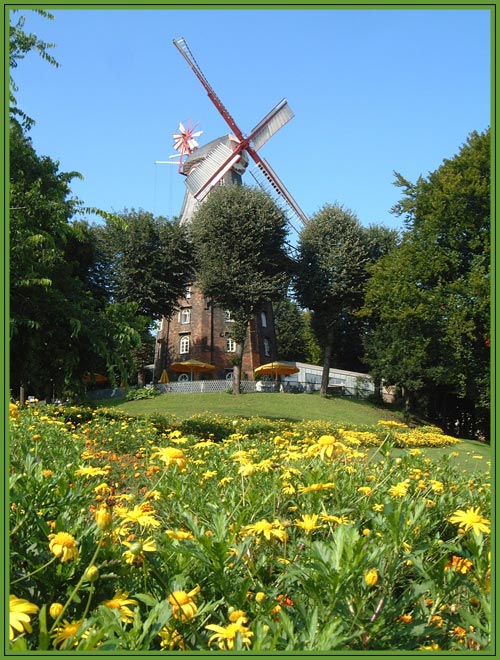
(429,299)
(305,542)
(62,324)
(239,235)
(20,44)
(142,393)
(294,338)
(332,268)
(146,260)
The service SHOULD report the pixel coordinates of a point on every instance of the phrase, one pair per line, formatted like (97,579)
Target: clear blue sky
(373,91)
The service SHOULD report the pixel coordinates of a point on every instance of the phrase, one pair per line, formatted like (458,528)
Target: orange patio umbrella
(276,369)
(192,367)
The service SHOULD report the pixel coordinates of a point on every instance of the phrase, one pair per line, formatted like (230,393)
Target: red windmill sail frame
(243,142)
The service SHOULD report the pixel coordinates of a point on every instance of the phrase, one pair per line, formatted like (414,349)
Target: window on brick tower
(263,319)
(184,345)
(185,315)
(228,316)
(230,345)
(267,347)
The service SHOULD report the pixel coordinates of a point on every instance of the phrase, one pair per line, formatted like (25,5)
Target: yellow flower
(392,423)
(89,471)
(371,577)
(288,488)
(183,604)
(400,489)
(141,514)
(225,637)
(64,546)
(365,490)
(55,610)
(179,534)
(470,519)
(459,564)
(308,522)
(120,602)
(19,615)
(340,520)
(238,615)
(260,596)
(172,639)
(65,633)
(137,548)
(246,469)
(171,456)
(266,529)
(103,517)
(314,487)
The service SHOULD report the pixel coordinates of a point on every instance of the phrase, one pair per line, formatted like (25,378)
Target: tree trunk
(238,361)
(325,378)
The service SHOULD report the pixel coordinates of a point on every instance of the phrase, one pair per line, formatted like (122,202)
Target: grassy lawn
(292,407)
(468,455)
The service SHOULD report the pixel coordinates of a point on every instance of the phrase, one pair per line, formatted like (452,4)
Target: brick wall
(208,331)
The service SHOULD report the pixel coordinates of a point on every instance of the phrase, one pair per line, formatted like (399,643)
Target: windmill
(206,169)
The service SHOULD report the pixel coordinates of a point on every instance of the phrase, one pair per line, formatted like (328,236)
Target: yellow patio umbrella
(164,377)
(192,367)
(276,369)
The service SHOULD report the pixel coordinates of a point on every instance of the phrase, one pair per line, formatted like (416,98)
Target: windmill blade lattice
(220,161)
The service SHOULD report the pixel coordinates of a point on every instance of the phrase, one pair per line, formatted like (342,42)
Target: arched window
(185,315)
(228,316)
(230,345)
(267,347)
(184,345)
(263,319)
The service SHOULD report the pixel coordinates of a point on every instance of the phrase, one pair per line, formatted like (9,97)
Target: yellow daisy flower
(19,615)
(170,456)
(183,604)
(120,602)
(308,522)
(225,637)
(64,635)
(470,519)
(140,514)
(64,546)
(136,550)
(267,529)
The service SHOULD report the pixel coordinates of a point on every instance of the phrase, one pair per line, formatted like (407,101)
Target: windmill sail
(267,178)
(271,124)
(219,161)
(211,170)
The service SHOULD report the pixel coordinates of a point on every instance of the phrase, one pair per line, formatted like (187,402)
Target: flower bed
(210,533)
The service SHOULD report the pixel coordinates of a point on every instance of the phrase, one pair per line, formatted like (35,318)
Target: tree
(429,299)
(290,327)
(330,274)
(20,44)
(147,260)
(62,323)
(239,237)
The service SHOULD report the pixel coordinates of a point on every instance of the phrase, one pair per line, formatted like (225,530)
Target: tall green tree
(62,321)
(430,299)
(290,327)
(146,260)
(239,237)
(330,274)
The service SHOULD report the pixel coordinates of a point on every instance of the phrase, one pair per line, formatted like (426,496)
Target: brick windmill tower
(199,329)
